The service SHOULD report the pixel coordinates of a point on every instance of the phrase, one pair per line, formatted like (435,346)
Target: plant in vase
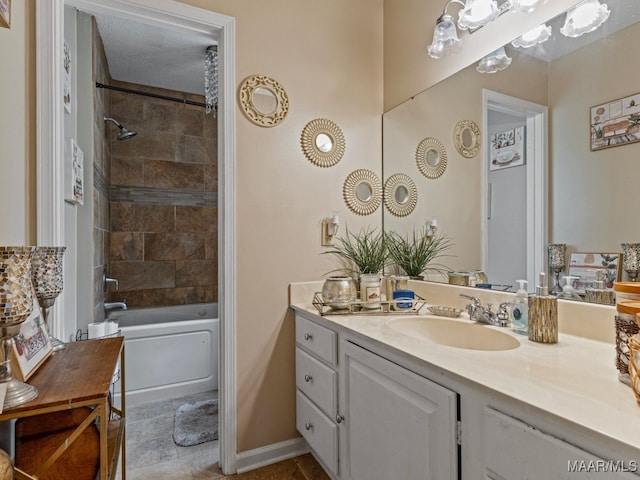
(414,254)
(364,253)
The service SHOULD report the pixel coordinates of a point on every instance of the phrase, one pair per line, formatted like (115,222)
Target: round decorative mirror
(362,191)
(400,194)
(431,157)
(466,138)
(263,100)
(322,142)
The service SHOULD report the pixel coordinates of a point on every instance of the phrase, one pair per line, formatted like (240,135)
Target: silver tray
(387,307)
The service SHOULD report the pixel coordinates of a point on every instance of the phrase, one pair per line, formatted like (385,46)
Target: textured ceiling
(149,55)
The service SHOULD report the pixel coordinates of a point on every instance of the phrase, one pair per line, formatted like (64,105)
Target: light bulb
(533,37)
(584,18)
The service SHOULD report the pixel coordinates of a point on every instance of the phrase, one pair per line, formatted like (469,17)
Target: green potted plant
(364,253)
(414,254)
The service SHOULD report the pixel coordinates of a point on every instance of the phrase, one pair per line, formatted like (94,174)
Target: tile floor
(153,455)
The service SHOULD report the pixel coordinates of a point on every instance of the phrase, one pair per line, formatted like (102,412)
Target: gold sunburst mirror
(431,157)
(362,191)
(400,194)
(322,142)
(466,138)
(263,100)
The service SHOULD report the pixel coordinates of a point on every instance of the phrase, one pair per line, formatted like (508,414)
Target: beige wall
(17,127)
(408,30)
(593,194)
(328,57)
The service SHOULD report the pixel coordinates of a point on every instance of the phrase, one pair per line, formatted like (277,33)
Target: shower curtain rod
(153,95)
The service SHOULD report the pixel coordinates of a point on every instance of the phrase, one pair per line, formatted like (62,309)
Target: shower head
(124,133)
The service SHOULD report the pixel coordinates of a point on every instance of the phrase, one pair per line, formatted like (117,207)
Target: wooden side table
(78,376)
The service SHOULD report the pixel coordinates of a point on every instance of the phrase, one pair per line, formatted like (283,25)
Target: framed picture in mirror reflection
(507,149)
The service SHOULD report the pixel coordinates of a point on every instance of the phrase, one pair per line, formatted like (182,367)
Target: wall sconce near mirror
(400,195)
(362,191)
(494,62)
(431,227)
(322,142)
(330,226)
(584,18)
(466,138)
(263,100)
(431,157)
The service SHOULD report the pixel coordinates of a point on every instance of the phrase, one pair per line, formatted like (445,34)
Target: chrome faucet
(481,314)
(113,305)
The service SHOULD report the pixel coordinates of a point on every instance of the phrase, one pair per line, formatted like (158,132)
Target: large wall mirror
(586,190)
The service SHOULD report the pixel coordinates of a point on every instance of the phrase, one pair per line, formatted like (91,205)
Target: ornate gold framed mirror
(263,100)
(362,191)
(466,138)
(431,157)
(322,142)
(400,194)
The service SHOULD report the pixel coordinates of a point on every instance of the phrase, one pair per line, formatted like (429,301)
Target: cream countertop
(575,379)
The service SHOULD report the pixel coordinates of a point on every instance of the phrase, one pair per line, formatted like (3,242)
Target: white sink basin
(454,333)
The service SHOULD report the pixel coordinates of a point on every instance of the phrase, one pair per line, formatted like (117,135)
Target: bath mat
(195,423)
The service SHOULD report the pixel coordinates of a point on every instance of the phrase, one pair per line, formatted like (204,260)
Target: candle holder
(16,304)
(631,259)
(557,262)
(47,277)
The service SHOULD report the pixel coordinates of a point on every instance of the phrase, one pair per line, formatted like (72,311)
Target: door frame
(536,171)
(50,161)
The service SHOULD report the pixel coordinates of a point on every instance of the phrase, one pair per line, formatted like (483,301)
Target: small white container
(370,290)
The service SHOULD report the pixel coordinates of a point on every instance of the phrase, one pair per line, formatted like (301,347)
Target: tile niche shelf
(76,379)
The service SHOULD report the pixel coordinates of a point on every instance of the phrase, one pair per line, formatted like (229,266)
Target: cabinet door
(397,425)
(513,450)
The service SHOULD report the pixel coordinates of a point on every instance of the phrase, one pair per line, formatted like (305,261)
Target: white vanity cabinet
(317,390)
(397,425)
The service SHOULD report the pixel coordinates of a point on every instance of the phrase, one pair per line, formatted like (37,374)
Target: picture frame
(5,13)
(75,185)
(506,149)
(585,267)
(66,63)
(615,123)
(31,347)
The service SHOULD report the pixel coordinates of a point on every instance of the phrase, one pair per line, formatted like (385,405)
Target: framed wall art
(585,267)
(5,13)
(615,123)
(507,149)
(75,161)
(31,346)
(67,77)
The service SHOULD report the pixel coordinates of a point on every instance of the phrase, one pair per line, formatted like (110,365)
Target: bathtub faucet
(113,305)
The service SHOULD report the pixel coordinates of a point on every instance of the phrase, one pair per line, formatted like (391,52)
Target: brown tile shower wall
(163,246)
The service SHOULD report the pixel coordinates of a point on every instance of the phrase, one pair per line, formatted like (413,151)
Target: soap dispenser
(543,314)
(520,310)
(568,292)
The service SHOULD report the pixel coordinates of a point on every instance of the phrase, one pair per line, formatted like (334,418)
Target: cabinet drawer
(320,433)
(317,381)
(317,339)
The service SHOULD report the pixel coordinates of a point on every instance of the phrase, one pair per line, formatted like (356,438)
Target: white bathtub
(169,351)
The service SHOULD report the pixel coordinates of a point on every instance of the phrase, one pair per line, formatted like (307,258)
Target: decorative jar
(370,290)
(338,291)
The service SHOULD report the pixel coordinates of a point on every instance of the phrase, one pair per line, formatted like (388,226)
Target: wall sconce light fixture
(431,227)
(494,62)
(534,37)
(584,18)
(330,227)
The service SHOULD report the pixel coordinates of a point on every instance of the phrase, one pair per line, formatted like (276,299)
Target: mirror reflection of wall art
(507,149)
(466,138)
(400,194)
(362,191)
(431,157)
(5,13)
(615,123)
(322,142)
(263,100)
(66,63)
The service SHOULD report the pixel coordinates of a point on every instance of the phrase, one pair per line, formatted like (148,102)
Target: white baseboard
(276,452)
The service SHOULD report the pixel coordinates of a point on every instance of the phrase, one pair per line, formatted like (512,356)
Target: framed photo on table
(585,267)
(31,346)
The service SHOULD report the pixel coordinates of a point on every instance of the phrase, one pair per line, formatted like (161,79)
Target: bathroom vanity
(379,397)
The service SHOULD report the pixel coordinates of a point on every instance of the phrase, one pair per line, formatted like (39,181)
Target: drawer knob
(308,378)
(308,336)
(339,418)
(308,425)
